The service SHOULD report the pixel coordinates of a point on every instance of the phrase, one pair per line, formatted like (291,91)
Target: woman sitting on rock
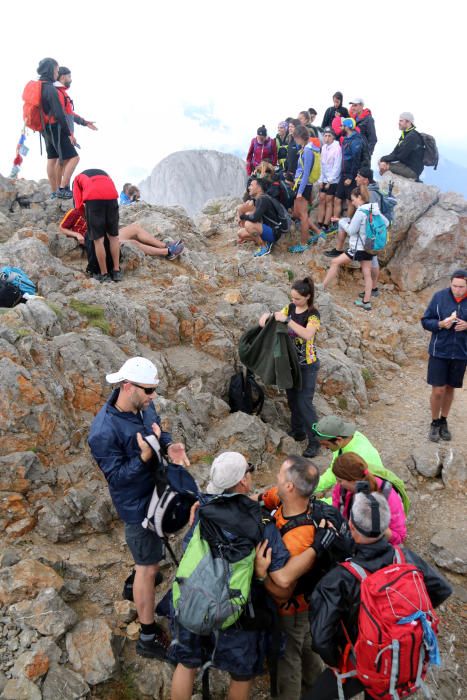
(352,473)
(74,225)
(303,323)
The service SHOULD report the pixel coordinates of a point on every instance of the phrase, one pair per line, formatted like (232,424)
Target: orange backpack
(33,114)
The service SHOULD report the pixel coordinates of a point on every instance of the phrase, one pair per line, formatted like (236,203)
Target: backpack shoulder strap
(355,569)
(399,557)
(296,521)
(386,488)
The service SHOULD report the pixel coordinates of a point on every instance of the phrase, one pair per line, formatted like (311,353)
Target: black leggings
(325,688)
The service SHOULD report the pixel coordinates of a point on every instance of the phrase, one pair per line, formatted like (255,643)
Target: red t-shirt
(74,221)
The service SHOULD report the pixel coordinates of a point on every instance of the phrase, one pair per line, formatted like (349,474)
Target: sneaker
(374,293)
(298,248)
(444,430)
(102,278)
(117,275)
(363,304)
(434,435)
(64,193)
(175,249)
(333,253)
(54,195)
(311,451)
(298,437)
(261,252)
(153,646)
(332,227)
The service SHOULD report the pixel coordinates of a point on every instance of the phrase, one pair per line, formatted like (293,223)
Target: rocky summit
(64,631)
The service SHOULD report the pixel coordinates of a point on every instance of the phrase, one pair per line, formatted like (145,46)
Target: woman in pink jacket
(349,469)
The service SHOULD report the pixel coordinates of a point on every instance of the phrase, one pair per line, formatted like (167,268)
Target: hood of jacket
(45,69)
(364,114)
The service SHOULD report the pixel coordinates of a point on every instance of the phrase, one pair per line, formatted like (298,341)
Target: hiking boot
(175,249)
(153,646)
(363,304)
(54,195)
(102,278)
(374,293)
(117,275)
(298,437)
(261,252)
(311,451)
(444,430)
(434,435)
(64,193)
(333,253)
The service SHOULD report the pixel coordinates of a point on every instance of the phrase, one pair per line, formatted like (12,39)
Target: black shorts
(443,372)
(331,189)
(359,255)
(344,191)
(145,546)
(102,218)
(307,192)
(58,144)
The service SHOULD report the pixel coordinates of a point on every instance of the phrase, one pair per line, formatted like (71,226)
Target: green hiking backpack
(212,585)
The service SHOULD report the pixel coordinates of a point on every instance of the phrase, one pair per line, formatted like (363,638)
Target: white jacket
(356,228)
(331,163)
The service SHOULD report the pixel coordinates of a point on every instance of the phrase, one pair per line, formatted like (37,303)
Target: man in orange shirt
(291,508)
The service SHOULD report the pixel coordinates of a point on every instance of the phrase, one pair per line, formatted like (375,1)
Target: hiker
(124,198)
(335,609)
(365,122)
(261,148)
(331,166)
(255,227)
(356,229)
(305,120)
(130,465)
(315,131)
(59,139)
(350,471)
(303,322)
(308,172)
(406,159)
(67,167)
(446,319)
(337,110)
(293,149)
(74,225)
(95,195)
(352,149)
(282,143)
(134,194)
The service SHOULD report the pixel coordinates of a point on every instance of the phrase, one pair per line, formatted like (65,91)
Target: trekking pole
(205,685)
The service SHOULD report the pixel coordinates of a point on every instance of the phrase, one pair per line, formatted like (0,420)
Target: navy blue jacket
(445,342)
(114,446)
(352,148)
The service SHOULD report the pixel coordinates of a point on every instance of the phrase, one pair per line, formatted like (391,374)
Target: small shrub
(342,403)
(58,311)
(102,324)
(88,310)
(368,376)
(290,275)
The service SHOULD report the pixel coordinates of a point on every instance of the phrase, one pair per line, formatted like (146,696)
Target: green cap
(332,427)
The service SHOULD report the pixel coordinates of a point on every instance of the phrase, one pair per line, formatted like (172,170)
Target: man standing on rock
(446,318)
(130,466)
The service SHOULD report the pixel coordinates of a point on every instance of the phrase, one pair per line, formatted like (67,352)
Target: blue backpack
(376,232)
(19,278)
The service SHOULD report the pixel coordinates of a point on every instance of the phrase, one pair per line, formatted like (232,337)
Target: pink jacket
(397,522)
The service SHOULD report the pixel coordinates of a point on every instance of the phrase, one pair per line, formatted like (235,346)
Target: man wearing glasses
(129,464)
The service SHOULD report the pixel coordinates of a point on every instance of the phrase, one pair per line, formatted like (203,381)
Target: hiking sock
(443,419)
(149,630)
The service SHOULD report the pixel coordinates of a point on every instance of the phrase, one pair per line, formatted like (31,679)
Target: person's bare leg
(322,207)
(350,209)
(114,243)
(144,592)
(447,400)
(100,255)
(52,173)
(374,274)
(328,210)
(149,249)
(68,170)
(301,212)
(340,239)
(334,269)
(59,172)
(436,401)
(239,690)
(136,232)
(182,683)
(366,272)
(337,206)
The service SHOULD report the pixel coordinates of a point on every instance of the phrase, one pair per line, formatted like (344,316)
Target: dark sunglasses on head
(148,390)
(251,468)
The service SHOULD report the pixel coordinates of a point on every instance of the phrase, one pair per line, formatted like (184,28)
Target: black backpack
(282,220)
(10,295)
(431,154)
(245,394)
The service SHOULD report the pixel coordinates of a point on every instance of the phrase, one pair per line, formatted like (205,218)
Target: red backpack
(33,114)
(396,631)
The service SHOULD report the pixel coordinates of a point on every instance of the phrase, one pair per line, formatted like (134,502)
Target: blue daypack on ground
(376,232)
(19,278)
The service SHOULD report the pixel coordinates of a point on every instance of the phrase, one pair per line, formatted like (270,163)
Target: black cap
(459,274)
(63,70)
(262,131)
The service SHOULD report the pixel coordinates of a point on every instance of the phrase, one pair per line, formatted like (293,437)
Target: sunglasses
(148,390)
(322,435)
(251,468)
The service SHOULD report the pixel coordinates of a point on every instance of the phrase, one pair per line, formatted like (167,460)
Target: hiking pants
(325,688)
(300,666)
(403,170)
(303,413)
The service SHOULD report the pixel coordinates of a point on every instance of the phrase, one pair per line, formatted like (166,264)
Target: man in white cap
(129,464)
(365,122)
(407,157)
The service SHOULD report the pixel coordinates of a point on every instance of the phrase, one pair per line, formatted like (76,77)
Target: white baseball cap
(357,101)
(136,369)
(227,470)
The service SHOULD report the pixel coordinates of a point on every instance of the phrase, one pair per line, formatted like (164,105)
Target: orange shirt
(296,540)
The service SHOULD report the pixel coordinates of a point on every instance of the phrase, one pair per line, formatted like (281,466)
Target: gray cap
(226,471)
(357,101)
(407,115)
(332,427)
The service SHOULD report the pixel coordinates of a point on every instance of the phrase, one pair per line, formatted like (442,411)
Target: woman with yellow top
(303,322)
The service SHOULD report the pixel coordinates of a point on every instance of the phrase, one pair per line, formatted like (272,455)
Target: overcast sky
(161,78)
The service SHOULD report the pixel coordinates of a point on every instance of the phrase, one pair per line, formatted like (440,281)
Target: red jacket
(92,184)
(261,151)
(67,104)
